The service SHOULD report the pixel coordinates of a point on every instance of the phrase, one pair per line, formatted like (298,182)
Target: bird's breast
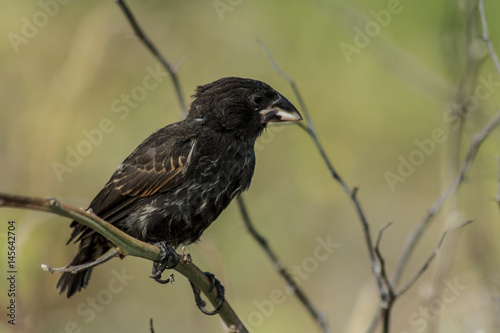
(181,214)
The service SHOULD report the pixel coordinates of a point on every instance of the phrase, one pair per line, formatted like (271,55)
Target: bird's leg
(220,295)
(159,266)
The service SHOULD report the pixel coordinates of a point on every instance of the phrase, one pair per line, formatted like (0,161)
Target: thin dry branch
(317,316)
(172,71)
(115,252)
(497,199)
(414,237)
(426,264)
(384,285)
(496,62)
(127,245)
(151,327)
(477,140)
(486,36)
(389,294)
(352,193)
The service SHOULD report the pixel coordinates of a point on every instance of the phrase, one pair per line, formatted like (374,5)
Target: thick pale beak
(280,111)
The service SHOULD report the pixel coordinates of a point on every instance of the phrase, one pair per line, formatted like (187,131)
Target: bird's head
(240,105)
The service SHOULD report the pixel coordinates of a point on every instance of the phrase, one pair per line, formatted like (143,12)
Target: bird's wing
(160,163)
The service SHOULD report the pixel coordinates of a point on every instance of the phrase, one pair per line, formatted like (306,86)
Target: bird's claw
(160,266)
(214,283)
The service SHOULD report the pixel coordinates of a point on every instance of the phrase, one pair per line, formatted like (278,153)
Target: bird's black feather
(178,181)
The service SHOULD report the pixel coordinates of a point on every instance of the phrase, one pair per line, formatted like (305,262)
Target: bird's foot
(220,295)
(160,266)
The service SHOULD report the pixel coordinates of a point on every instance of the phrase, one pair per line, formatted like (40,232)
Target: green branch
(127,245)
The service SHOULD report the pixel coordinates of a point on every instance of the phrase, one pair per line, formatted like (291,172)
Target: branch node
(47,268)
(186,257)
(54,202)
(232,329)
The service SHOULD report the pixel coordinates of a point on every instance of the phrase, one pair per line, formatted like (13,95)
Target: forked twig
(352,193)
(414,237)
(387,295)
(426,264)
(385,286)
(383,272)
(391,296)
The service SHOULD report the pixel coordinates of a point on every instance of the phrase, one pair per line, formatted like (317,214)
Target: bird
(179,179)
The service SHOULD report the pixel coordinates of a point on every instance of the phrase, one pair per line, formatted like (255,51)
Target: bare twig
(496,62)
(426,264)
(310,129)
(75,269)
(424,267)
(497,199)
(385,286)
(127,245)
(414,237)
(383,273)
(486,36)
(151,327)
(460,108)
(352,193)
(387,295)
(391,296)
(172,71)
(317,316)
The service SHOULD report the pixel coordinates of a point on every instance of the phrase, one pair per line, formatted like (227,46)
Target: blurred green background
(70,70)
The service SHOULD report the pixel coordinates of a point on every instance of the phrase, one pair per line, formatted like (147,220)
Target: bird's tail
(72,283)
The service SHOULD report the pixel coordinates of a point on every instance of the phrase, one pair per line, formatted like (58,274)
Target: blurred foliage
(64,80)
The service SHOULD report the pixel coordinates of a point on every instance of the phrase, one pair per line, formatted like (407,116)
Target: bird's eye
(256,100)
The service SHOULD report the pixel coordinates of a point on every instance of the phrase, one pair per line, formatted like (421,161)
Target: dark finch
(176,183)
